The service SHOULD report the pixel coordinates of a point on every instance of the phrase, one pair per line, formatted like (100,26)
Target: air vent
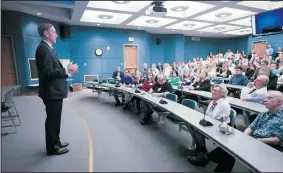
(195,38)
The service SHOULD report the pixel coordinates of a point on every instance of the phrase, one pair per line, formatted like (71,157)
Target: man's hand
(250,84)
(150,91)
(245,100)
(72,68)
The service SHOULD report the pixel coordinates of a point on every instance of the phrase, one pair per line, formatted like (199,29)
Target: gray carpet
(120,143)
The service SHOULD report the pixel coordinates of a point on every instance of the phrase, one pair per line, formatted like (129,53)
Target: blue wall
(80,48)
(275,41)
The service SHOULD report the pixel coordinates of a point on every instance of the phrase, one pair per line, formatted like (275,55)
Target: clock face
(98,52)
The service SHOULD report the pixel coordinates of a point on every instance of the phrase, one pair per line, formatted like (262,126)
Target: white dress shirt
(48,44)
(221,111)
(256,96)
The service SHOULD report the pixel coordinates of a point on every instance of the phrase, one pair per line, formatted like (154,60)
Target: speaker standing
(52,87)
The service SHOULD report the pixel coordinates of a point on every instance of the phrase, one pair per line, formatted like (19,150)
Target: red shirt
(147,85)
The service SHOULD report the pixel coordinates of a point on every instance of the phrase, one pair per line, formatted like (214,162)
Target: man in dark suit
(118,74)
(52,87)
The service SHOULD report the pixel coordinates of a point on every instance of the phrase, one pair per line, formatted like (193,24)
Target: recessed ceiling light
(189,25)
(98,24)
(38,14)
(139,27)
(105,16)
(222,15)
(179,8)
(219,28)
(121,2)
(173,30)
(151,21)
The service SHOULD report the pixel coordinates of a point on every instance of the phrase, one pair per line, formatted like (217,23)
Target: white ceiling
(216,19)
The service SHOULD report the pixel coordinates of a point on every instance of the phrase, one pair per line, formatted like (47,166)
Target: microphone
(204,122)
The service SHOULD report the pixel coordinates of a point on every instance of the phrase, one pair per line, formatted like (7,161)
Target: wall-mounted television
(269,22)
(33,69)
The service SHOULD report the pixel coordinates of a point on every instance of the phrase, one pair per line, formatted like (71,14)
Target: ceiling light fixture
(98,24)
(121,2)
(38,14)
(219,28)
(105,16)
(151,21)
(179,8)
(222,15)
(173,30)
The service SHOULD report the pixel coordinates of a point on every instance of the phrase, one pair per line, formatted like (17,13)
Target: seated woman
(145,86)
(224,72)
(174,78)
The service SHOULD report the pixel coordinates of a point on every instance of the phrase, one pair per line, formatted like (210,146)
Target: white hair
(276,94)
(223,89)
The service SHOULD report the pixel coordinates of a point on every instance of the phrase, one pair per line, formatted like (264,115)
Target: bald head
(273,101)
(261,81)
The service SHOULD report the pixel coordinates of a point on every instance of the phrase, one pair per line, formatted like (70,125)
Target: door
(8,71)
(130,58)
(259,47)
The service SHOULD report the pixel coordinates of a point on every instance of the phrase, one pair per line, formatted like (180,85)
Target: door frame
(138,60)
(14,56)
(257,42)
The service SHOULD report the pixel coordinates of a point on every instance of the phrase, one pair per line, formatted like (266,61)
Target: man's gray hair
(277,94)
(161,75)
(42,28)
(223,89)
(265,79)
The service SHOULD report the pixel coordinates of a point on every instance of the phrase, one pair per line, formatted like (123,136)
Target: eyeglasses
(269,98)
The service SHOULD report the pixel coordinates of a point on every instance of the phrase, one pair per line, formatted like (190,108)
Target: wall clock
(98,52)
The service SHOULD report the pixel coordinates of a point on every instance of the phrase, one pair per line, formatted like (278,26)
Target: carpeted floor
(120,143)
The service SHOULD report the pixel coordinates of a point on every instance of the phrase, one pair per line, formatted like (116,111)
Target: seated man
(160,89)
(117,74)
(255,91)
(237,79)
(267,128)
(219,109)
(272,85)
(126,79)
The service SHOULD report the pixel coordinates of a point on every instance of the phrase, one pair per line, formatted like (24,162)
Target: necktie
(252,91)
(213,105)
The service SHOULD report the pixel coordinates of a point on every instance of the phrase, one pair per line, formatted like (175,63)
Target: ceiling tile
(189,25)
(243,31)
(101,17)
(183,9)
(148,21)
(224,14)
(219,28)
(245,22)
(130,6)
(264,5)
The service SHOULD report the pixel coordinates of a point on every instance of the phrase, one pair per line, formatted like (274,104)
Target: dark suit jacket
(249,73)
(115,73)
(272,85)
(52,75)
(203,86)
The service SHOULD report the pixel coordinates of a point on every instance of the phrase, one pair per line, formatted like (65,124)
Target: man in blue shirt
(127,80)
(237,79)
(267,128)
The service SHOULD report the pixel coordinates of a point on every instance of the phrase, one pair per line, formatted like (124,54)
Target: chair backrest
(217,81)
(189,103)
(232,117)
(9,98)
(172,97)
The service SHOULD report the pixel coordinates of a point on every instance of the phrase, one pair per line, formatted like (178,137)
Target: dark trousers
(225,161)
(52,123)
(138,102)
(115,93)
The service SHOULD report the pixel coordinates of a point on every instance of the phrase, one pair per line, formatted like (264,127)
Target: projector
(156,9)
